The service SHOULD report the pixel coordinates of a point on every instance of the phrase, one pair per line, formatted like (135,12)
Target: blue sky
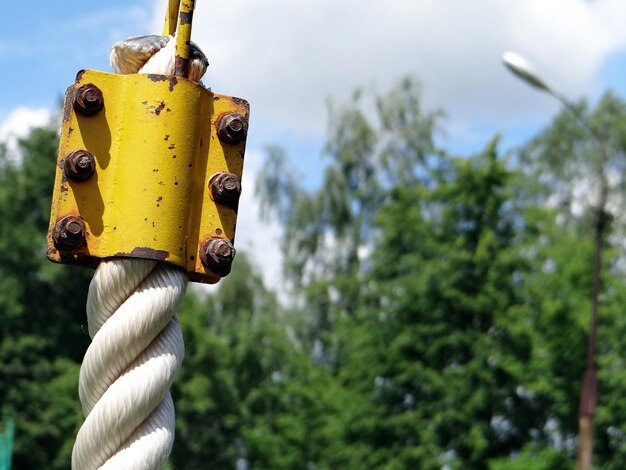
(288,57)
(44,45)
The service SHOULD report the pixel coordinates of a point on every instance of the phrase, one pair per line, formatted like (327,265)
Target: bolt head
(232,128)
(79,165)
(88,99)
(69,233)
(217,254)
(225,189)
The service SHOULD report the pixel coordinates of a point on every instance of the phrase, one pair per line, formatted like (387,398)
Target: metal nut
(79,165)
(88,100)
(69,233)
(217,254)
(225,189)
(232,128)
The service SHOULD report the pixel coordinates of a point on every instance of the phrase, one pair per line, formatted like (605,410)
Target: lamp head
(524,70)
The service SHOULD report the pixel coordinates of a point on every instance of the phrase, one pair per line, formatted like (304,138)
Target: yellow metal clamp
(149,166)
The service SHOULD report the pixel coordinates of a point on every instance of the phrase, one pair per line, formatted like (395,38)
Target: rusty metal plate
(155,153)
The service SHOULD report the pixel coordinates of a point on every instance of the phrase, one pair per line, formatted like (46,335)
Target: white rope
(137,345)
(127,371)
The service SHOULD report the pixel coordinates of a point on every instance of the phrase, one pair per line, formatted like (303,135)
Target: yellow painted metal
(184,28)
(156,149)
(171,17)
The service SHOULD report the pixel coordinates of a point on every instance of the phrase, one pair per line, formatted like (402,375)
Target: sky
(288,58)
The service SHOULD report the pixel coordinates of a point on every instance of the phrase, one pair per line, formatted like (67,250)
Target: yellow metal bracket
(149,166)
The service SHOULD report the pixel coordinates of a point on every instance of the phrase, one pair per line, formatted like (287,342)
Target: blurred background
(419,236)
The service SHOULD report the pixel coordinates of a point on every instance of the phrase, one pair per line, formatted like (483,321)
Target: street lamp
(525,70)
(589,392)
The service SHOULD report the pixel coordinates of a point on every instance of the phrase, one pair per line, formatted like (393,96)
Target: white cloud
(288,57)
(19,122)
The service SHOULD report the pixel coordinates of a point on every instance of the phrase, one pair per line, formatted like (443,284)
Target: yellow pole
(171,16)
(183,37)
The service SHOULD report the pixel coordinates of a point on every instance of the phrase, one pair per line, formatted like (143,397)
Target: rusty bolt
(232,128)
(217,254)
(69,233)
(225,189)
(79,165)
(88,100)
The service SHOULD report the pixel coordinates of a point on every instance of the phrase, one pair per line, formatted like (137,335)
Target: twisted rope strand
(128,369)
(137,344)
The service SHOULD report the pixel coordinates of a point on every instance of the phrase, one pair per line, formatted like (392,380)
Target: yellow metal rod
(171,17)
(183,37)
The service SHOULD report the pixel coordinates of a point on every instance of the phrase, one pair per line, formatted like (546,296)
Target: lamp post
(589,392)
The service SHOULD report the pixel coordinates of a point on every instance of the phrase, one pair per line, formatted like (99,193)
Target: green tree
(246,391)
(41,312)
(447,284)
(328,230)
(450,348)
(407,263)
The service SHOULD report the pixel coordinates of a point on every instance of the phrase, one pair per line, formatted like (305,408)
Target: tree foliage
(42,341)
(438,315)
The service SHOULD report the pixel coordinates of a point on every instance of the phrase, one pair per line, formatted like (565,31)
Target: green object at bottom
(6,445)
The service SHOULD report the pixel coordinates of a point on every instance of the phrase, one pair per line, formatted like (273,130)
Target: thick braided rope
(137,345)
(127,371)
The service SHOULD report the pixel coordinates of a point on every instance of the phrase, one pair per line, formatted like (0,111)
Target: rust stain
(146,253)
(173,82)
(164,78)
(157,78)
(67,104)
(79,75)
(167,137)
(171,146)
(185,17)
(181,66)
(159,108)
(61,165)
